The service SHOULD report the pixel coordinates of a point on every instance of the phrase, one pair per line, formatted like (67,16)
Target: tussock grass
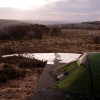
(32,63)
(16,67)
(67,41)
(12,60)
(8,72)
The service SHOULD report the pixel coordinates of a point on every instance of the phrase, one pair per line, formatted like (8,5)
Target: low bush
(2,60)
(3,77)
(7,50)
(7,67)
(23,62)
(8,72)
(12,60)
(32,63)
(20,73)
(95,36)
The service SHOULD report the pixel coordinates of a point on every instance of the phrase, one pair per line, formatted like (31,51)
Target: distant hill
(92,22)
(43,22)
(4,22)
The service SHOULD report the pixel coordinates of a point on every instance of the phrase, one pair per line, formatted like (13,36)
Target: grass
(15,80)
(8,72)
(70,40)
(7,50)
(11,60)
(23,62)
(32,63)
(15,67)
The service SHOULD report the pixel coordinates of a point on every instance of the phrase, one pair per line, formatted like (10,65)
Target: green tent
(83,75)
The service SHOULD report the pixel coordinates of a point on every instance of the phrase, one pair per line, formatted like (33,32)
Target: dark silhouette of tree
(4,34)
(38,31)
(20,31)
(45,30)
(55,32)
(17,31)
(30,35)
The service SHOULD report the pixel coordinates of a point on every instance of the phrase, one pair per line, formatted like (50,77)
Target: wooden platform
(42,91)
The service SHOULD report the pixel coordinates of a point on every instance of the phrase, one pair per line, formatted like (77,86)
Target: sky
(51,10)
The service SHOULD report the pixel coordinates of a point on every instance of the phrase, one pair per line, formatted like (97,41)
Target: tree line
(29,31)
(83,25)
(22,31)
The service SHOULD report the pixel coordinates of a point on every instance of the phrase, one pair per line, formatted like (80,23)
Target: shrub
(12,59)
(8,72)
(7,67)
(30,35)
(95,36)
(6,51)
(3,77)
(17,31)
(21,73)
(2,60)
(31,63)
(20,31)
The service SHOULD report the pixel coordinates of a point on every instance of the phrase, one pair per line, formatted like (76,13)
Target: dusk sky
(50,10)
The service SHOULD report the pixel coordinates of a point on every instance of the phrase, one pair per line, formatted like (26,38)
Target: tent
(82,76)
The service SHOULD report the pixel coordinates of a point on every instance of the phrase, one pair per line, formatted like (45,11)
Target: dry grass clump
(69,40)
(12,59)
(8,72)
(15,80)
(7,50)
(95,36)
(31,63)
(19,89)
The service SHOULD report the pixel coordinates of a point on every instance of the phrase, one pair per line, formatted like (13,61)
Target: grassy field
(19,75)
(69,41)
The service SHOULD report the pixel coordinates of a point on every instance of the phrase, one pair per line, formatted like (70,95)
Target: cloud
(98,19)
(80,10)
(9,13)
(77,9)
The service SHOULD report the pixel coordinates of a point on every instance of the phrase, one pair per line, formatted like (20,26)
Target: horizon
(51,10)
(56,21)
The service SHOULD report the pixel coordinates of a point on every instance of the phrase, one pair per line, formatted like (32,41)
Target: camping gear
(80,79)
(83,75)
